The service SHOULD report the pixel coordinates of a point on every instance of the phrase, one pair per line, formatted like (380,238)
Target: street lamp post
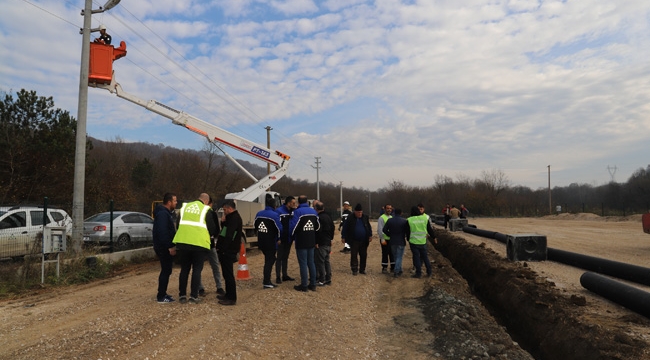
(82,112)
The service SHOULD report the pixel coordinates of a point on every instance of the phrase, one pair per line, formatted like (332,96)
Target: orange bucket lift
(101,61)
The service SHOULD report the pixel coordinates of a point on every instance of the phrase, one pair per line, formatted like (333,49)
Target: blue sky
(379,90)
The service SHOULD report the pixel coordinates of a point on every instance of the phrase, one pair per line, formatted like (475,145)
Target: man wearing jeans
(324,238)
(164,230)
(304,224)
(418,228)
(396,228)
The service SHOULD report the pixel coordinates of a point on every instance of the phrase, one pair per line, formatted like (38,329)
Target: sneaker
(182,299)
(320,283)
(300,288)
(416,276)
(221,297)
(195,300)
(220,291)
(166,300)
(227,302)
(328,282)
(202,292)
(312,287)
(270,286)
(362,272)
(278,280)
(287,278)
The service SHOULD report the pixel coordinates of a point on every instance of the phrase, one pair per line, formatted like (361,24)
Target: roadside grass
(20,277)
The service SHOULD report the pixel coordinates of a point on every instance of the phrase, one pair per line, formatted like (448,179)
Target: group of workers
(198,234)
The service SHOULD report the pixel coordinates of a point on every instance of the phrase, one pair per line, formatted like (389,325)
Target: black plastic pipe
(628,296)
(479,232)
(637,274)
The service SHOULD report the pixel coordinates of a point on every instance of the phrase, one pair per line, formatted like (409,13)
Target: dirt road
(373,316)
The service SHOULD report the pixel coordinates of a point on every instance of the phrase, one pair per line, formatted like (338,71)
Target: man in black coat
(324,237)
(358,233)
(228,246)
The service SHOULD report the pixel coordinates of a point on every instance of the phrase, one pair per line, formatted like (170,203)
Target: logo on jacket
(262,228)
(193,209)
(309,226)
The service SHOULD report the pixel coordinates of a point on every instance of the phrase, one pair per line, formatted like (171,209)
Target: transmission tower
(612,172)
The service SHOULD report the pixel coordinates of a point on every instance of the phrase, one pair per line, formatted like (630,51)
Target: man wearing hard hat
(103,38)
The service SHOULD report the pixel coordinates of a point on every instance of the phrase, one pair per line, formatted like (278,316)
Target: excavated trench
(544,321)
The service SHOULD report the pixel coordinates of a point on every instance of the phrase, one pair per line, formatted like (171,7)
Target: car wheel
(123,242)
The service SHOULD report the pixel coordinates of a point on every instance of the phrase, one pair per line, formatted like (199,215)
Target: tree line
(37,153)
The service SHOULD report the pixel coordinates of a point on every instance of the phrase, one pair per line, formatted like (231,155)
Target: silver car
(129,229)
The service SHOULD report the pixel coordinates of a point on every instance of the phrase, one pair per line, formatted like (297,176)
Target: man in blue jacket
(284,248)
(163,233)
(268,228)
(396,228)
(304,224)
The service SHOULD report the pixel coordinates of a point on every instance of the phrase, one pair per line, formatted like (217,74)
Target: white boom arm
(215,134)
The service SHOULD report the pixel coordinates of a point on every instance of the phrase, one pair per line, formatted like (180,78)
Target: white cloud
(427,87)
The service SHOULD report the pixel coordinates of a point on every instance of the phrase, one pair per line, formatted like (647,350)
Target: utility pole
(268,145)
(80,145)
(82,114)
(317,167)
(369,203)
(550,206)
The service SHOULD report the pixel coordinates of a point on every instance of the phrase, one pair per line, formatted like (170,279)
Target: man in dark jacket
(268,228)
(228,246)
(284,248)
(163,232)
(396,228)
(304,224)
(358,233)
(324,238)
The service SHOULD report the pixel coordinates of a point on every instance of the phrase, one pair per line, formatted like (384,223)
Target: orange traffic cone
(242,269)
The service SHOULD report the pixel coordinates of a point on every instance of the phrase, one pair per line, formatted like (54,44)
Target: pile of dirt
(541,318)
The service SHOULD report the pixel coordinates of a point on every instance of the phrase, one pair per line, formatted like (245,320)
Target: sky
(379,91)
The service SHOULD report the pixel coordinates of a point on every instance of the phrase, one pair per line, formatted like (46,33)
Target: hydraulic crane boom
(216,136)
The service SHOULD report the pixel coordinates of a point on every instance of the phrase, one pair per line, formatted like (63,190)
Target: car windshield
(103,217)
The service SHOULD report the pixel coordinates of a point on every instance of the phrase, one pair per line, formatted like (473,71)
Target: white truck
(249,201)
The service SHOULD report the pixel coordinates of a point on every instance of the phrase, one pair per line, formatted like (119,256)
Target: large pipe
(479,232)
(622,294)
(637,274)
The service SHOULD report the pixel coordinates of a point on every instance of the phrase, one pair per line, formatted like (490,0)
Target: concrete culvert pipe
(637,274)
(618,292)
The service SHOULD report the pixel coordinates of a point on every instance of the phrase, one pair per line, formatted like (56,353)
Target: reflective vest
(192,228)
(418,225)
(385,217)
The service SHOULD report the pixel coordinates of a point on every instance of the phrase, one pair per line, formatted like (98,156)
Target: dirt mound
(545,322)
(592,217)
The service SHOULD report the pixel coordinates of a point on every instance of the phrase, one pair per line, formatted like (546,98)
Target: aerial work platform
(101,61)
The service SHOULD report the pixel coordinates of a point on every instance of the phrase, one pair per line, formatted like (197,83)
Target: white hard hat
(346,203)
(102,27)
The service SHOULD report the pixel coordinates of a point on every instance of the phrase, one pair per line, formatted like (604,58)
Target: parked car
(129,229)
(21,228)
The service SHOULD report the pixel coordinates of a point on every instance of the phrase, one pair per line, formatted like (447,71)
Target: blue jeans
(306,263)
(419,254)
(398,253)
